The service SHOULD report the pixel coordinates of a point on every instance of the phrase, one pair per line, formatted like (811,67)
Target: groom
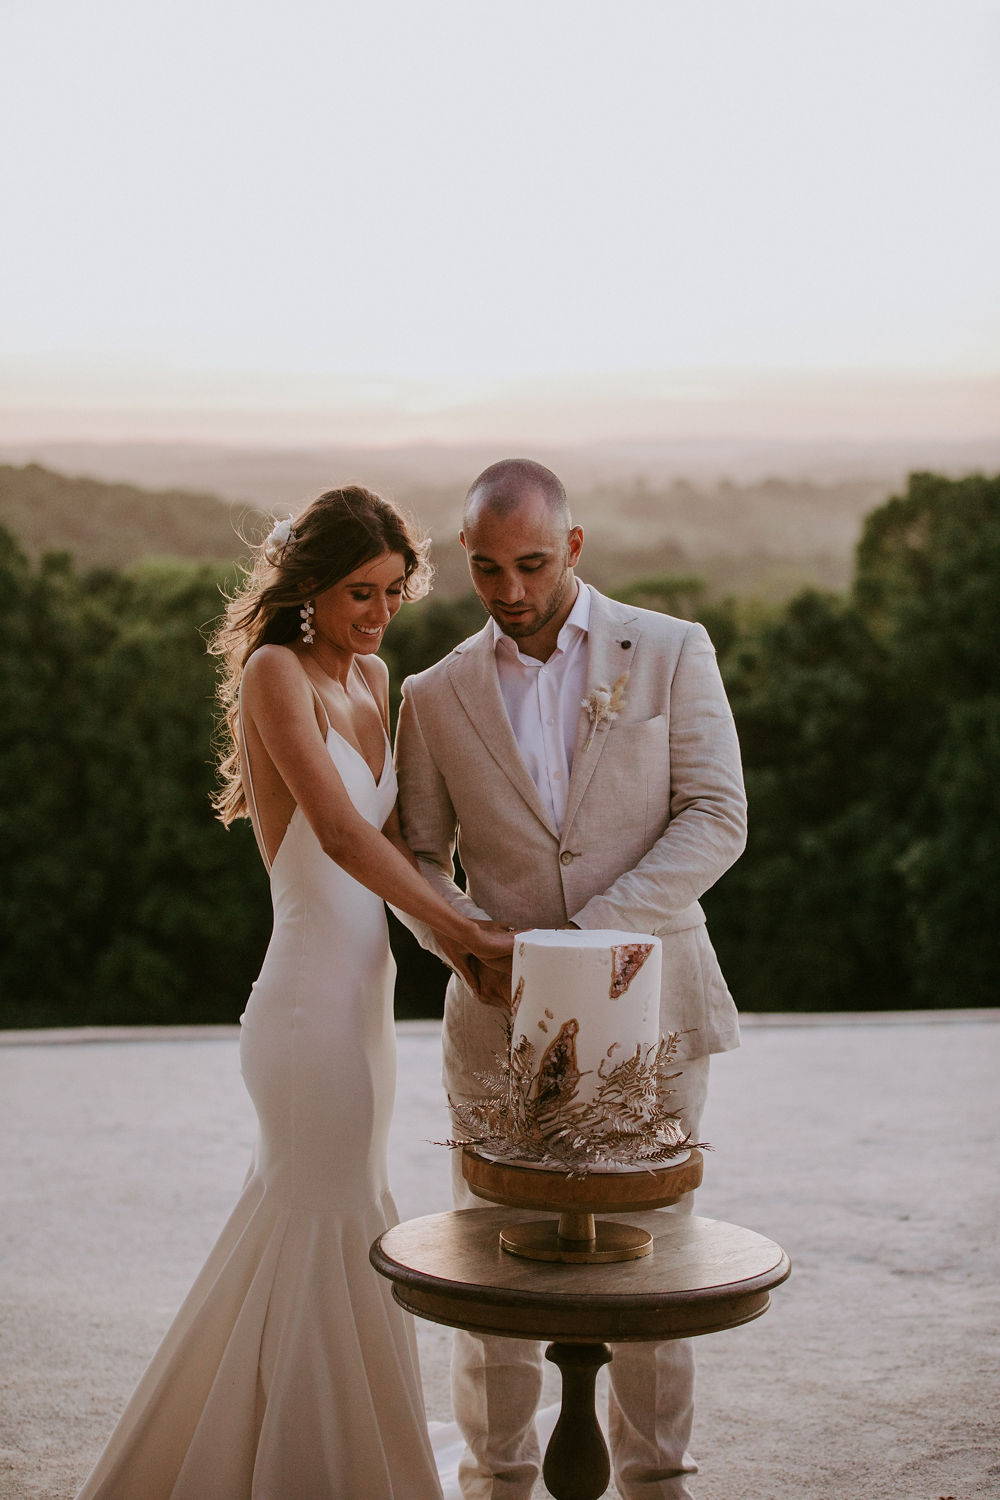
(625,832)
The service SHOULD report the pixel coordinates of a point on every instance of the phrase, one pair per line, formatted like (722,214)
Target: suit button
(566,858)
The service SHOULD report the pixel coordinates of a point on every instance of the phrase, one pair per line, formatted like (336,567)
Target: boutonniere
(603,706)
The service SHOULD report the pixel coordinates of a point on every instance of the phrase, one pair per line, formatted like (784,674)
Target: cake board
(577,1236)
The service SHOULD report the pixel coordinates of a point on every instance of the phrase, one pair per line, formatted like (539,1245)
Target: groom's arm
(428,822)
(707,829)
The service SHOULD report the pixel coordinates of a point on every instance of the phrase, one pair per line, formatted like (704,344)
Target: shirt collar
(577,622)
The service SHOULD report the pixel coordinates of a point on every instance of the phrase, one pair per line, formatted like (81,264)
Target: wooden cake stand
(576,1236)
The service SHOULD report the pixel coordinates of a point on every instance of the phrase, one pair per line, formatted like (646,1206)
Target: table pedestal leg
(576,1465)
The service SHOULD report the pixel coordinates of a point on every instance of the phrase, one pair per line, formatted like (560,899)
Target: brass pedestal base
(576,1239)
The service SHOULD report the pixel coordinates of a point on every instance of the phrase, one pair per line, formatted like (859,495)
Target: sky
(270,217)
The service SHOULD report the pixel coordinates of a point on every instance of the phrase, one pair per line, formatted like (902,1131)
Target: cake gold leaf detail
(534,1114)
(626,961)
(558,1074)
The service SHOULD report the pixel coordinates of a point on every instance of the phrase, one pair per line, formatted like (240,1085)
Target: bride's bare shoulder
(274,671)
(374,669)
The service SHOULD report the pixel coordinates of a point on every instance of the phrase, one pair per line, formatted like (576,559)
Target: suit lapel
(614,631)
(473,675)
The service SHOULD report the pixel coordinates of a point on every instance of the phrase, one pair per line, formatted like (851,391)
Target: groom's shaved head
(505,486)
(522,548)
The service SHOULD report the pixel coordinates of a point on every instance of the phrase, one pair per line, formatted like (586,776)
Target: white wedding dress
(289,1372)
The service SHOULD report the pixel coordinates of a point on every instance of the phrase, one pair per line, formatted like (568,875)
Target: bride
(289,1371)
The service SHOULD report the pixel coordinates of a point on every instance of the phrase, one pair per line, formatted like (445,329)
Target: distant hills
(762,536)
(104,524)
(282,477)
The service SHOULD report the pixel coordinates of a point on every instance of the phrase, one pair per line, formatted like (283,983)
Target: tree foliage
(869,729)
(122,899)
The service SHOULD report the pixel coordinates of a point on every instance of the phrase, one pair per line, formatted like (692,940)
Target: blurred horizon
(803,410)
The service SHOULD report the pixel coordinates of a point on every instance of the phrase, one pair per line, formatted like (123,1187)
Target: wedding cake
(582,1000)
(587,1079)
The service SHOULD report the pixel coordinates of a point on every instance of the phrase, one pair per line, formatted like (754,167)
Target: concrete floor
(865,1145)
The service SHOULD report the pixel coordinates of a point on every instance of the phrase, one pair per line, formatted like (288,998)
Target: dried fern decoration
(626,1123)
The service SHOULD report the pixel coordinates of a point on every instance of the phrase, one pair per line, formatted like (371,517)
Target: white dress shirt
(543,700)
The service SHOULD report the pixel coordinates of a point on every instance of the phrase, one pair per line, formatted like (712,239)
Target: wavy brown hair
(339,532)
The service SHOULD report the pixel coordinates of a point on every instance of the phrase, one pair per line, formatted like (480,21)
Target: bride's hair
(339,532)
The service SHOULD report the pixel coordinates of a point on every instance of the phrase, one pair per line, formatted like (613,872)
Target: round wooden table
(702,1276)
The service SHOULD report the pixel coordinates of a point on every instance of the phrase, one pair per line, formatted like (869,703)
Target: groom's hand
(494,983)
(489,981)
(461,962)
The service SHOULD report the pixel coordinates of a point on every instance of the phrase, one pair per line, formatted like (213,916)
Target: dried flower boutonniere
(603,706)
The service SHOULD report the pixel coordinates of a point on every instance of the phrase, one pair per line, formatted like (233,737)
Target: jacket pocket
(635,730)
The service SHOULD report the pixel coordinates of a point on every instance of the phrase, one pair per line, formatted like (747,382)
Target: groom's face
(522,565)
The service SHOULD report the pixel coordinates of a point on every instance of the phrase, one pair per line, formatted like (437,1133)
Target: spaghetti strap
(315,692)
(372,696)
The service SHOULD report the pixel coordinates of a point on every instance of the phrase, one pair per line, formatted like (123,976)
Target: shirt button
(566,858)
(557,776)
(550,721)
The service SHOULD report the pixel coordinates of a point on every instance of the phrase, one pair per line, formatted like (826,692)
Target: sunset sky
(394,218)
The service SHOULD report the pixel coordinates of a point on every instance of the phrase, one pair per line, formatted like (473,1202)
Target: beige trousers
(496,1383)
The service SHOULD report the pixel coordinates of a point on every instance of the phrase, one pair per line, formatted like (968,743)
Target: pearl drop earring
(308,632)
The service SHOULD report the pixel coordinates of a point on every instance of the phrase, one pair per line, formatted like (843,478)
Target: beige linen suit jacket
(656,809)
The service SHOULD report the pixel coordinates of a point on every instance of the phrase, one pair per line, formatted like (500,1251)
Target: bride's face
(353,614)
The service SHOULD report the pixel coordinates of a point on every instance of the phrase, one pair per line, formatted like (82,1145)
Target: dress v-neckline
(377,781)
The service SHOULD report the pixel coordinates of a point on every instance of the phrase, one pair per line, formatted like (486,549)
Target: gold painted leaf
(626,961)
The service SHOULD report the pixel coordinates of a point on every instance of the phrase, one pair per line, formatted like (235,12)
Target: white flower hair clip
(277,540)
(603,705)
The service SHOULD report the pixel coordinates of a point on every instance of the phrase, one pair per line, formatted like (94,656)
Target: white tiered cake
(585,1084)
(582,999)
(586,1052)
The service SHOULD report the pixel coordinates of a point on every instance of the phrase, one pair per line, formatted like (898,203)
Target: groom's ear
(461,538)
(574,542)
